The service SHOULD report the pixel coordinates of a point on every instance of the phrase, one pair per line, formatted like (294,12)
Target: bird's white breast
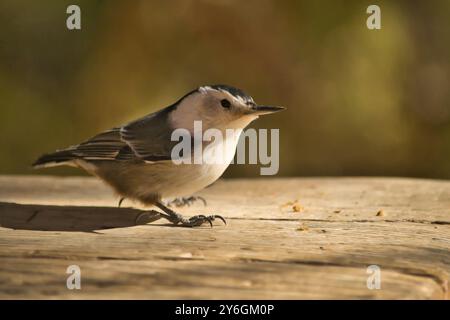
(169,179)
(191,178)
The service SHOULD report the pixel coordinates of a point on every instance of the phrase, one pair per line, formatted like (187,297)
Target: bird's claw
(180,202)
(198,220)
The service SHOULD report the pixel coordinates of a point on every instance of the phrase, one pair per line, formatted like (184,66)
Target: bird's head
(218,106)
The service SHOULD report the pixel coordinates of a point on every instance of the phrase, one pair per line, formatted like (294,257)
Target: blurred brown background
(360,102)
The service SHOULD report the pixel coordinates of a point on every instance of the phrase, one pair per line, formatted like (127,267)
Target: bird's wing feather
(145,139)
(149,137)
(107,145)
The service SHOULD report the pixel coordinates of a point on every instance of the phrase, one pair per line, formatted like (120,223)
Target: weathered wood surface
(266,251)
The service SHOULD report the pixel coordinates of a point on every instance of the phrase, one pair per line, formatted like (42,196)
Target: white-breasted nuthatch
(136,159)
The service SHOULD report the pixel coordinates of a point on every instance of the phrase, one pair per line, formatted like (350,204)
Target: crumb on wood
(247,283)
(303,227)
(185,255)
(295,206)
(380,213)
(337,211)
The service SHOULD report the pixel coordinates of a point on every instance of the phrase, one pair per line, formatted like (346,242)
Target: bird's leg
(181,202)
(120,201)
(151,216)
(193,221)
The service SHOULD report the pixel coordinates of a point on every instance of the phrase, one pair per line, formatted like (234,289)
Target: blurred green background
(360,102)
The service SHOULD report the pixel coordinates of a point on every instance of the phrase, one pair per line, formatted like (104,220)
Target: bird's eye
(225,103)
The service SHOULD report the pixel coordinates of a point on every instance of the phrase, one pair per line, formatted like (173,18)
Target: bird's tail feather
(58,158)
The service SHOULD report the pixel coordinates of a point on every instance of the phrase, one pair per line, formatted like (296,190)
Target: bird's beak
(259,110)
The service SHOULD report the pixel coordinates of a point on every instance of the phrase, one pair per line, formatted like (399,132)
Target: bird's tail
(58,158)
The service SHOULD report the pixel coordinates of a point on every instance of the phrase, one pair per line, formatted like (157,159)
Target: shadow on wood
(71,218)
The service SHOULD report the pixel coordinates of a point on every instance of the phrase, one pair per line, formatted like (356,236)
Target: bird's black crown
(233,91)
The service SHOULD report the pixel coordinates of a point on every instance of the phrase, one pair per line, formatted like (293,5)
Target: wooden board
(267,250)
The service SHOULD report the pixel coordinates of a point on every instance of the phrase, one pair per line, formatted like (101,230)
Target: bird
(136,159)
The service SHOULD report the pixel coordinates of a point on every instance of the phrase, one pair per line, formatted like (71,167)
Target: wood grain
(267,250)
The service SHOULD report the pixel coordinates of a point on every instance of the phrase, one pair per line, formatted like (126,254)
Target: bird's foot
(194,221)
(181,202)
(147,217)
(120,201)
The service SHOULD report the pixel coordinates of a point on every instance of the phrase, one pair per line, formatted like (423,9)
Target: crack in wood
(440,222)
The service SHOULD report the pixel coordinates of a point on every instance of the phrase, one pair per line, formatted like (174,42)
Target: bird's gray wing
(107,145)
(149,137)
(146,139)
